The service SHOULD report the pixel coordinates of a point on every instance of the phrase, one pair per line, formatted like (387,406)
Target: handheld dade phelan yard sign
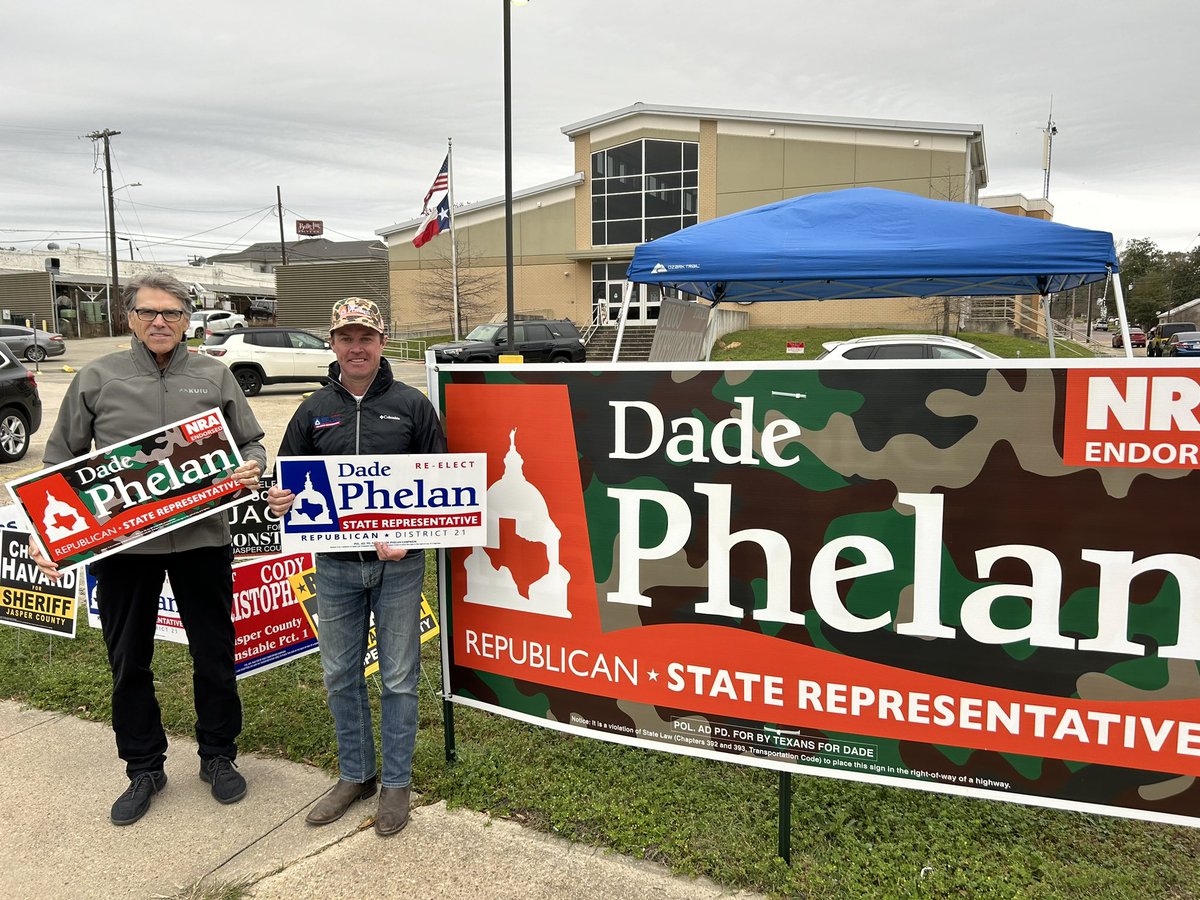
(413,500)
(958,578)
(120,496)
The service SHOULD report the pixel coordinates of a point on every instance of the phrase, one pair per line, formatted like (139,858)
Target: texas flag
(435,223)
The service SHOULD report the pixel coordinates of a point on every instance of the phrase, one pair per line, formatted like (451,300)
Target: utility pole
(115,287)
(279,206)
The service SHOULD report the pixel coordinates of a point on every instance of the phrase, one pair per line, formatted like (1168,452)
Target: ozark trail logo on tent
(658,269)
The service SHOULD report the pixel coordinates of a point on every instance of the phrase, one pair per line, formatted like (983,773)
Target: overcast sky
(347,106)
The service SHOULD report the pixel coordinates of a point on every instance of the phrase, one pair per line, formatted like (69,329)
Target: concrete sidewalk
(62,775)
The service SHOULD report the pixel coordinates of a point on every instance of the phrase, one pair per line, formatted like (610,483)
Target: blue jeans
(347,592)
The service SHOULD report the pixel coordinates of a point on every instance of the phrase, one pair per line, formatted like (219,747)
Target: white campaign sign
(413,500)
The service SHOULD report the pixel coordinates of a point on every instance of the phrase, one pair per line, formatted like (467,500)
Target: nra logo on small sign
(1123,418)
(310,227)
(200,428)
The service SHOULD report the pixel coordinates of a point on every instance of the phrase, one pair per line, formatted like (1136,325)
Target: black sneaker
(221,772)
(132,804)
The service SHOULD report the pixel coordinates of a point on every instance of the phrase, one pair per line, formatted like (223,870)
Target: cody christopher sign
(905,576)
(120,496)
(414,500)
(271,627)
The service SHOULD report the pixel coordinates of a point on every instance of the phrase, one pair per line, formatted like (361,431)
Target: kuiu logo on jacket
(200,390)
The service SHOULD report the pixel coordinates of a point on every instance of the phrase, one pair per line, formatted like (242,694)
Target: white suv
(903,346)
(212,320)
(259,356)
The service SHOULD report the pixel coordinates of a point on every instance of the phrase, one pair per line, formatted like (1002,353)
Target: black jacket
(391,418)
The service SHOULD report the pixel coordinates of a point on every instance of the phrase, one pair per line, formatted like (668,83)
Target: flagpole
(453,236)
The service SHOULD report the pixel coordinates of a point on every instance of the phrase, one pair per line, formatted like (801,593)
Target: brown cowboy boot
(392,814)
(335,803)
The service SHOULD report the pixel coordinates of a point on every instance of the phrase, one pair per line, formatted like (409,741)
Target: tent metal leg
(1049,323)
(1122,315)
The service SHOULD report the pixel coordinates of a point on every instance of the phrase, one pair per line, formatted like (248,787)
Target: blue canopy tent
(869,242)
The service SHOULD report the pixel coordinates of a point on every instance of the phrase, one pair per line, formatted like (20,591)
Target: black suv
(537,340)
(20,407)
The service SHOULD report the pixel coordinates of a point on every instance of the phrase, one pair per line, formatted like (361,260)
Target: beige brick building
(646,171)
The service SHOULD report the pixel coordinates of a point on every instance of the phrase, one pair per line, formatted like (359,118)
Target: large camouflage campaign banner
(122,495)
(966,578)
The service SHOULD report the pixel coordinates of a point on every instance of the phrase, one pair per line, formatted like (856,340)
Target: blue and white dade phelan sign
(412,500)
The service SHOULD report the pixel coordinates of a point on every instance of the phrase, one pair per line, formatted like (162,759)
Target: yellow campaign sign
(304,587)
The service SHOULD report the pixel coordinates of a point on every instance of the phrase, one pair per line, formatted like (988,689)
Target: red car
(1137,338)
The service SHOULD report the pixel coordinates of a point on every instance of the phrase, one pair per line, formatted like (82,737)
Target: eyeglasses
(170,316)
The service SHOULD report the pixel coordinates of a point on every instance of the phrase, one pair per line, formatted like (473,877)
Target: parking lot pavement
(273,406)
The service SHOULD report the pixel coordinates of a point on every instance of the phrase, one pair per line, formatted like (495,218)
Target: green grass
(699,817)
(771,344)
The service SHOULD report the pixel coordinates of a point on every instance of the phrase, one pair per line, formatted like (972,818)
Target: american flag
(440,183)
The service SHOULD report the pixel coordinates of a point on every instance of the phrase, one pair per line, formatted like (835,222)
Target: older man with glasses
(152,384)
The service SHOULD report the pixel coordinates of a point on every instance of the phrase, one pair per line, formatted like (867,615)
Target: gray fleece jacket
(126,394)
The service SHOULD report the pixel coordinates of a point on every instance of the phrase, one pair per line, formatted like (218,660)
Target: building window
(644,190)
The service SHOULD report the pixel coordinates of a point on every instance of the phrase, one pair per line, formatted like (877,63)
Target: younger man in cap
(364,410)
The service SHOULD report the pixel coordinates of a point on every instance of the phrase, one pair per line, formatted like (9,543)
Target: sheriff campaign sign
(120,496)
(28,599)
(412,500)
(956,577)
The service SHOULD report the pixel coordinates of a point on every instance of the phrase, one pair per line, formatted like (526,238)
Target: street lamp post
(129,241)
(508,223)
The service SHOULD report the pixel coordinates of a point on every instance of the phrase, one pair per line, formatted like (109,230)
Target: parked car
(903,346)
(1183,343)
(20,407)
(538,340)
(32,343)
(1137,338)
(1156,341)
(1101,325)
(213,321)
(259,356)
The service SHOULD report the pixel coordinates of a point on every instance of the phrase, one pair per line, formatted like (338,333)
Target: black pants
(128,588)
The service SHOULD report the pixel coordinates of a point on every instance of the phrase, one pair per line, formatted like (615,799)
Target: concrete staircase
(635,345)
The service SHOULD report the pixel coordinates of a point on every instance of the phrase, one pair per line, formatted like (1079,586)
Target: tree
(478,286)
(1155,281)
(943,311)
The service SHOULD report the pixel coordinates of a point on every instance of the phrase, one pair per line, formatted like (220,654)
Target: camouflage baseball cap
(357,311)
